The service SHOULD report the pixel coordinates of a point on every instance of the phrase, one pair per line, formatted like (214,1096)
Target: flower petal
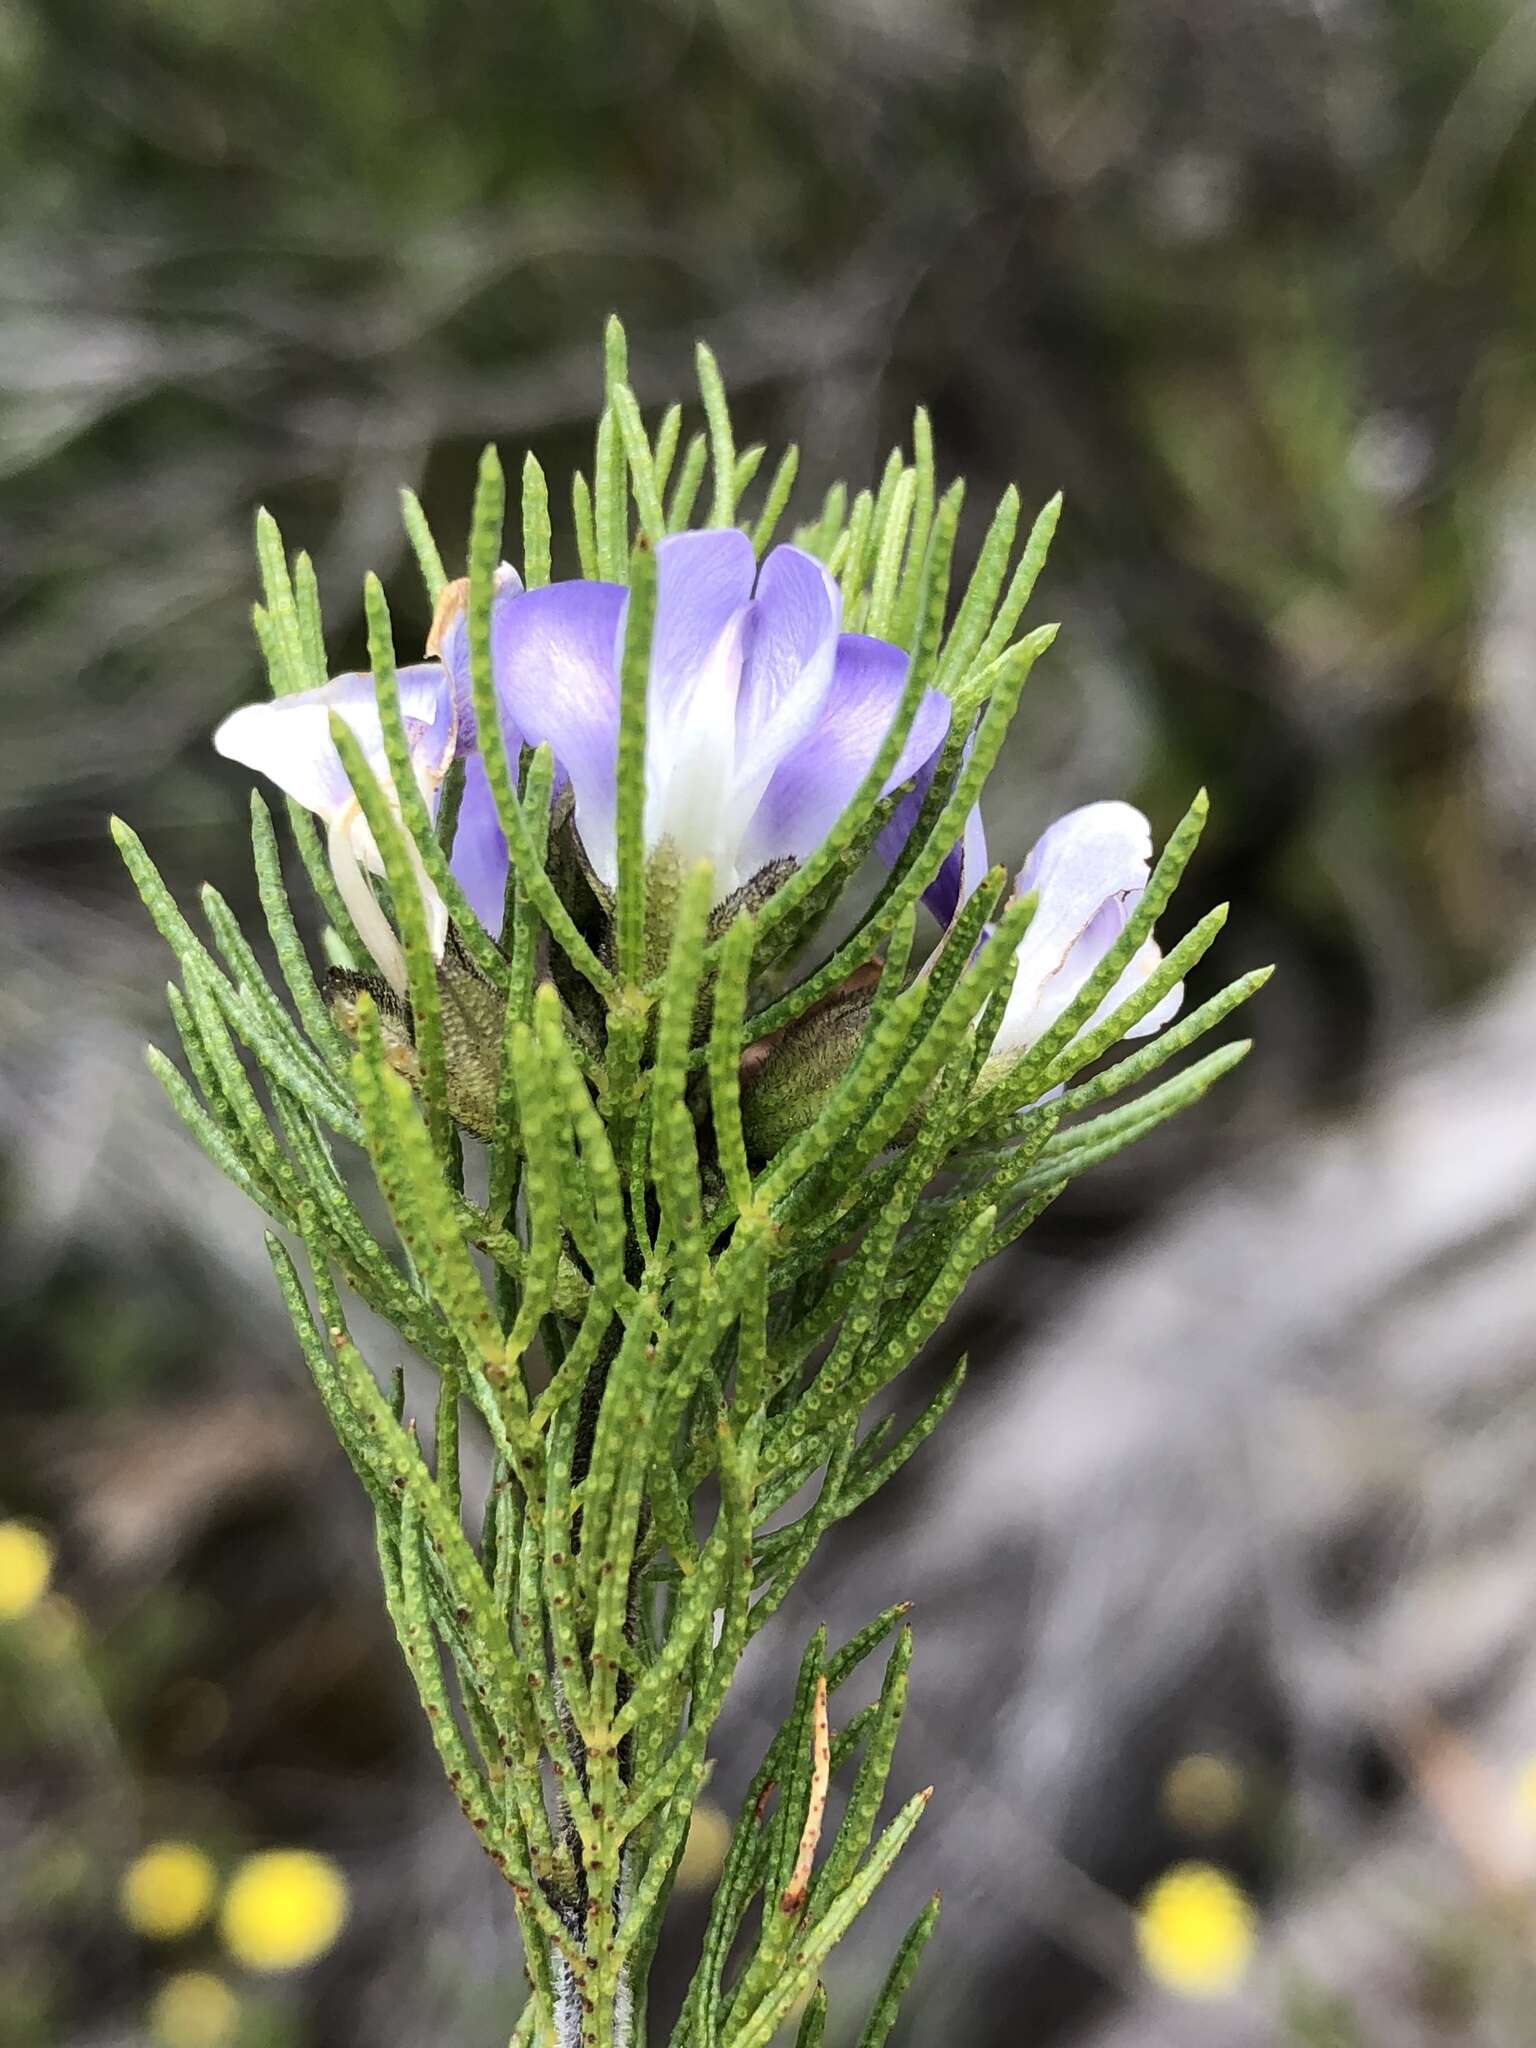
(556,665)
(790,650)
(703,583)
(812,785)
(288,739)
(1088,871)
(690,787)
(453,644)
(1085,861)
(479,858)
(960,876)
(964,864)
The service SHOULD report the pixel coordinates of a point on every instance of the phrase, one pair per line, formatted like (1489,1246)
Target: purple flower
(1088,872)
(762,717)
(288,739)
(964,864)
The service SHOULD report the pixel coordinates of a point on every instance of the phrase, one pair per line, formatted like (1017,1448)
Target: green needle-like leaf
(286,943)
(409,889)
(877,2029)
(610,502)
(908,603)
(642,465)
(849,559)
(1176,1039)
(634,680)
(722,451)
(757,2029)
(1022,584)
(773,505)
(291,669)
(306,597)
(974,617)
(893,537)
(726,1037)
(667,436)
(433,575)
(536,527)
(813,2021)
(685,492)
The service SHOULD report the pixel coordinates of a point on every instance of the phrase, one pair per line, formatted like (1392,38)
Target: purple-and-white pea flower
(1088,872)
(762,715)
(288,739)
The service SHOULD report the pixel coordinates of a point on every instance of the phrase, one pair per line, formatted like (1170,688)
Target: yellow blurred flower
(283,1908)
(1203,1794)
(1525,1790)
(194,2009)
(167,1891)
(1196,1931)
(709,1836)
(26,1566)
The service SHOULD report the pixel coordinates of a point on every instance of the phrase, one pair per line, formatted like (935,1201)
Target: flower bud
(787,1077)
(472,1024)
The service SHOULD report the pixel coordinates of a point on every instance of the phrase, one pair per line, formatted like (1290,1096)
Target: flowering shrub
(677,1186)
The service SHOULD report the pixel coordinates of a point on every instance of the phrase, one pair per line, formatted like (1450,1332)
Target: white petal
(288,739)
(1088,870)
(690,767)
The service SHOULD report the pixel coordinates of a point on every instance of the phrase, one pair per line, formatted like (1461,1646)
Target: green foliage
(669,1311)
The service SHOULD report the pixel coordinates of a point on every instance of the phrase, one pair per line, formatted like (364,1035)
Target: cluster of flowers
(763,717)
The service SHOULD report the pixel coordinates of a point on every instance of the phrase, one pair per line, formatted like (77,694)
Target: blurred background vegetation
(1251,281)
